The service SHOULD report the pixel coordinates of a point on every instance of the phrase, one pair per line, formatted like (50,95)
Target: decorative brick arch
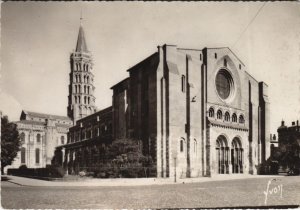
(237,151)
(222,153)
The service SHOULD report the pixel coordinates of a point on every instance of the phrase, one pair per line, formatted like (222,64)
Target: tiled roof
(228,125)
(42,115)
(30,122)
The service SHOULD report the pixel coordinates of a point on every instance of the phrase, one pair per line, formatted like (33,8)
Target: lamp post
(174,156)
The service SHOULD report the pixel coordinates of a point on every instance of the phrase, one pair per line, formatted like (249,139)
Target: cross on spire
(81,18)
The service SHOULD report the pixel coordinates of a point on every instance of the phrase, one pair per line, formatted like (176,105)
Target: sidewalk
(94,182)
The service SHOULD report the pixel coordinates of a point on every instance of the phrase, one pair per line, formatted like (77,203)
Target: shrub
(49,171)
(57,171)
(23,167)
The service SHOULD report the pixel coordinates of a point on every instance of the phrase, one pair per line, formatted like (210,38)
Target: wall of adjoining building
(39,137)
(87,140)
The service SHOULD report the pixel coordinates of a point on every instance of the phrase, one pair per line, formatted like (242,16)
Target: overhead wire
(246,28)
(252,20)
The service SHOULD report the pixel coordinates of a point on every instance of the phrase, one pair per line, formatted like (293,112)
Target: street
(230,193)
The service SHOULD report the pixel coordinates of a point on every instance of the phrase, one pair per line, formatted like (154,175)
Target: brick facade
(169,97)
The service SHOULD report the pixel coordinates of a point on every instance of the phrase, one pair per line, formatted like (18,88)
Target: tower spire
(81,43)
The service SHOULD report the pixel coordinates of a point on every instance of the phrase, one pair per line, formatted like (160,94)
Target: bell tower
(81,100)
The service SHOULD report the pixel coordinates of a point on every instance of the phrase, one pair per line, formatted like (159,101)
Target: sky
(38,37)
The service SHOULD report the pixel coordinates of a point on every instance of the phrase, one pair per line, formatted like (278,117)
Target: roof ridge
(44,114)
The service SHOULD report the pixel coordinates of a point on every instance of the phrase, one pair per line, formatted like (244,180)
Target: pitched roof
(42,115)
(30,122)
(81,43)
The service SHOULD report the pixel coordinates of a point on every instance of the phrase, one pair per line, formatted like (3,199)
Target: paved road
(246,192)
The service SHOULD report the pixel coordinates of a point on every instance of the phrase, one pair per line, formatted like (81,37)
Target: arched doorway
(237,156)
(222,151)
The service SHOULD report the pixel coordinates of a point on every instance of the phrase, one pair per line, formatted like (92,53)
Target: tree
(124,158)
(10,142)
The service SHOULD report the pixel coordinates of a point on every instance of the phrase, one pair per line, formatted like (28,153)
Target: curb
(113,183)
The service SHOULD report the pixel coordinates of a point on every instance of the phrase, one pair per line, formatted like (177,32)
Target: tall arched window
(62,140)
(211,112)
(23,155)
(219,114)
(79,88)
(84,99)
(88,89)
(79,99)
(241,119)
(84,89)
(227,116)
(22,137)
(37,155)
(181,145)
(87,79)
(183,83)
(38,138)
(234,118)
(75,99)
(89,101)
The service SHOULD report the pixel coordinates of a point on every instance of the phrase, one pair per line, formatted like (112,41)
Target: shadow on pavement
(4,178)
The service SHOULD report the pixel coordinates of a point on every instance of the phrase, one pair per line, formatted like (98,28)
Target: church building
(40,134)
(197,112)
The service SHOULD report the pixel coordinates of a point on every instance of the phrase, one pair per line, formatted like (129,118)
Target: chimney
(293,123)
(282,123)
(297,122)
